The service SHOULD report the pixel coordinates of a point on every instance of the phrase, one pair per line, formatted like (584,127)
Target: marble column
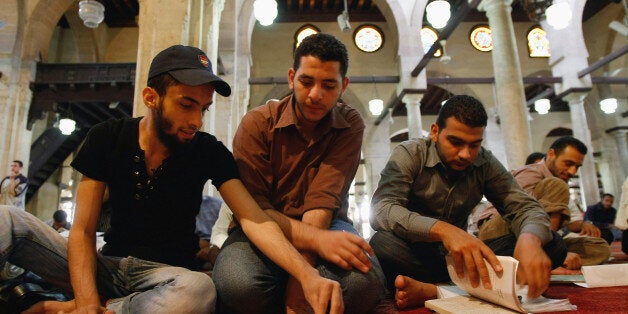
(622,148)
(181,25)
(589,188)
(508,83)
(15,101)
(413,107)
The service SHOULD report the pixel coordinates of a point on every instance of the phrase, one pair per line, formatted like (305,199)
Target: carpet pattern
(607,300)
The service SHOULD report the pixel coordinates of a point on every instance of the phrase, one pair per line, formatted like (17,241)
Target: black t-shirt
(152,218)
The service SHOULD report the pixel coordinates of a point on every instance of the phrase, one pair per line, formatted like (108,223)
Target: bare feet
(564,271)
(413,293)
(50,307)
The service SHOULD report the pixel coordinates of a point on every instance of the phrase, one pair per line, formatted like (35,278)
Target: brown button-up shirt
(287,172)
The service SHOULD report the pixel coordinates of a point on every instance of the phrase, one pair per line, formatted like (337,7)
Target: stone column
(376,149)
(589,188)
(619,134)
(15,101)
(413,107)
(187,22)
(508,83)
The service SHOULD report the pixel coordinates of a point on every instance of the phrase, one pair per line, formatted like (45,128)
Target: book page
(606,275)
(503,285)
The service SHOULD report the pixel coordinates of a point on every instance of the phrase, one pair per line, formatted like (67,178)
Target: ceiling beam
(458,17)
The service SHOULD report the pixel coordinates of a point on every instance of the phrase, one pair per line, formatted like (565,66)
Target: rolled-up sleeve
(390,200)
(525,214)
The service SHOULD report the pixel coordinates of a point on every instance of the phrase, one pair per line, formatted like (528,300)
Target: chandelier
(91,12)
(536,9)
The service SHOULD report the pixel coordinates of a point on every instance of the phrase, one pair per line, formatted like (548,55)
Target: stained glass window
(481,38)
(538,45)
(368,38)
(428,37)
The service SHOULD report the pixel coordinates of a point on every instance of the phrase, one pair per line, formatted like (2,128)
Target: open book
(504,297)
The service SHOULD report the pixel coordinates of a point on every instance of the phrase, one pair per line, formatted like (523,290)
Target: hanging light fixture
(91,12)
(376,104)
(438,13)
(558,15)
(608,105)
(67,126)
(265,11)
(542,106)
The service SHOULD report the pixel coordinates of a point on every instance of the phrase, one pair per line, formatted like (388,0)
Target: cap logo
(204,60)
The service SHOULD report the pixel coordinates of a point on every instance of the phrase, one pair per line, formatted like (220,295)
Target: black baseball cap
(189,66)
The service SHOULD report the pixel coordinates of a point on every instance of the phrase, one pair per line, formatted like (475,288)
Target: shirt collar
(433,158)
(334,119)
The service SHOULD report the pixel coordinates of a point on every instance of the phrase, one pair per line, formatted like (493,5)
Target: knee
(382,241)
(196,293)
(363,292)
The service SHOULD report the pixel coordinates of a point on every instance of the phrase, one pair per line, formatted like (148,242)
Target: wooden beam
(603,61)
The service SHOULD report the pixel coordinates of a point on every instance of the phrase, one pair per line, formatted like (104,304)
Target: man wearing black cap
(155,168)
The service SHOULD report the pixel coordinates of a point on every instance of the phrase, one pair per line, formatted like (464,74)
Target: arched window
(481,38)
(368,38)
(538,45)
(304,31)
(428,37)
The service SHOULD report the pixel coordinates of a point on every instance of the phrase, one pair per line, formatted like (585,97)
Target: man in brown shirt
(297,157)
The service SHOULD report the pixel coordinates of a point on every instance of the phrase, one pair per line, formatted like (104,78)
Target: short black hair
(324,47)
(466,109)
(562,142)
(60,216)
(608,194)
(160,83)
(534,157)
(19,162)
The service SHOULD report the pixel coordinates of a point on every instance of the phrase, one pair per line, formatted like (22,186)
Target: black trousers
(425,261)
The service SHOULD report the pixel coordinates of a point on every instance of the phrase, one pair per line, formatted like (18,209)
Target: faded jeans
(132,285)
(249,282)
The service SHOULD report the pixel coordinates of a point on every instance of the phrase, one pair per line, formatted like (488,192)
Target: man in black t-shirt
(155,168)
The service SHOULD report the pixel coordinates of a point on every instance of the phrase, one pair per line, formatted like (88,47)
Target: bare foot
(50,307)
(412,293)
(564,271)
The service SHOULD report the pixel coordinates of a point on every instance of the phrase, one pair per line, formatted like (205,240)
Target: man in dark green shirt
(425,195)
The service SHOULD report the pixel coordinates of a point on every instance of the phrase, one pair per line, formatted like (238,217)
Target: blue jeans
(425,261)
(132,284)
(249,282)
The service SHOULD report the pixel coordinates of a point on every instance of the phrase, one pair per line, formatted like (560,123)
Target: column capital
(620,129)
(486,5)
(411,99)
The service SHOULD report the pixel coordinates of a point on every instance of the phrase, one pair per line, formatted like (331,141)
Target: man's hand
(322,294)
(572,261)
(467,252)
(534,265)
(344,249)
(591,230)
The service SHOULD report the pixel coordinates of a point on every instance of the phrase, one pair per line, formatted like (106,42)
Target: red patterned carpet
(607,300)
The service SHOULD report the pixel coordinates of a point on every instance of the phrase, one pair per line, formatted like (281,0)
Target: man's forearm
(300,234)
(82,266)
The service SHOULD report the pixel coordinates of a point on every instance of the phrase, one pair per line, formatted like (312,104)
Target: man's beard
(162,124)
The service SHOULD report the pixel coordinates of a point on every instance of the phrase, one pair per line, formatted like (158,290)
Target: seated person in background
(59,221)
(205,222)
(602,215)
(547,182)
(534,158)
(423,200)
(155,167)
(297,157)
